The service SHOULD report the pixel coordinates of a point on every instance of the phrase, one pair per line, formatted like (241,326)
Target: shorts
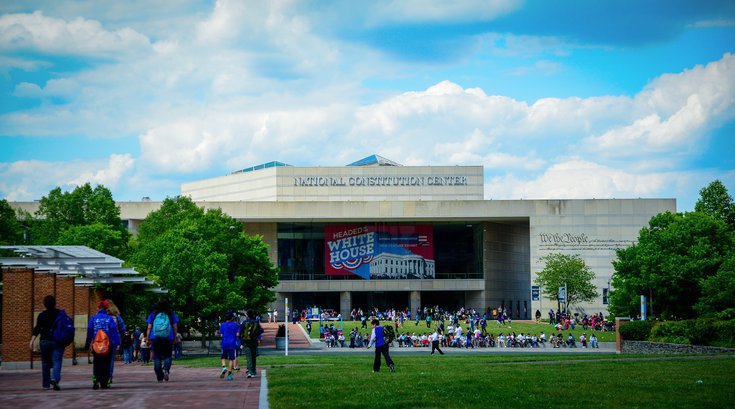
(228,354)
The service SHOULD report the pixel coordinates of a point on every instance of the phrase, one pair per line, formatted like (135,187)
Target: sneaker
(165,376)
(230,377)
(236,370)
(250,375)
(222,374)
(55,385)
(392,368)
(95,385)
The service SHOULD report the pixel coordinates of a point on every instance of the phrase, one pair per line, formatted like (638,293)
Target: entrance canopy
(88,265)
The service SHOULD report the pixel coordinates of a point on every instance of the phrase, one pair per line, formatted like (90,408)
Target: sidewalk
(134,386)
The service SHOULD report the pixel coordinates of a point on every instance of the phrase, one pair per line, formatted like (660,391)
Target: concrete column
(345,304)
(415,301)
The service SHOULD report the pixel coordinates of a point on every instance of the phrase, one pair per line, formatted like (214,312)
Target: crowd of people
(463,328)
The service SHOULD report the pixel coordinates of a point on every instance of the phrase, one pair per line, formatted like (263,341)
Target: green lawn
(492,327)
(489,381)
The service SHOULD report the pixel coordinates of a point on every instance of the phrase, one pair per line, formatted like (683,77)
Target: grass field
(490,381)
(492,327)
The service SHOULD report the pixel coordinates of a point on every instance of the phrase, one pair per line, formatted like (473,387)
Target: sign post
(285,319)
(643,307)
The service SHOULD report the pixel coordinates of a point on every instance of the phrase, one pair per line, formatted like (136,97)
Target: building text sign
(325,181)
(578,242)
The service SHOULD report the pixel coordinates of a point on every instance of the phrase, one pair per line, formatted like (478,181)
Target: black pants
(384,351)
(101,368)
(435,345)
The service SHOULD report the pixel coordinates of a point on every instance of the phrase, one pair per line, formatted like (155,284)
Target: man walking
(381,347)
(250,330)
(162,327)
(52,354)
(435,343)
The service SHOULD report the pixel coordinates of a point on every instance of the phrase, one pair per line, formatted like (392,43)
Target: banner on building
(379,251)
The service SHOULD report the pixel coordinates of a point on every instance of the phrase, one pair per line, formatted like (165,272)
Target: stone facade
(644,347)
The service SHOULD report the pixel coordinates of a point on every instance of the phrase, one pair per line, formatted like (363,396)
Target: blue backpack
(62,330)
(161,325)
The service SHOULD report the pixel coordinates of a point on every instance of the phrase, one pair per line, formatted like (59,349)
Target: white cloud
(33,179)
(414,11)
(577,179)
(76,37)
(109,176)
(674,112)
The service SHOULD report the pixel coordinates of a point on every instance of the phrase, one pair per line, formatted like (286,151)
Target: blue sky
(564,99)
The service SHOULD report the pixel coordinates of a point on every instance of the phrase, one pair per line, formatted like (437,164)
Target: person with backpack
(378,338)
(250,331)
(52,352)
(162,328)
(104,338)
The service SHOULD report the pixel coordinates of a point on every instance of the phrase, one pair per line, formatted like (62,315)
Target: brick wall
(23,293)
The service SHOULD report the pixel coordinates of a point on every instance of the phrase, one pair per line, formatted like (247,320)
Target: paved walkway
(135,385)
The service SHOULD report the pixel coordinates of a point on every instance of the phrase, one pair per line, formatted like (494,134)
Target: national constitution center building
(378,234)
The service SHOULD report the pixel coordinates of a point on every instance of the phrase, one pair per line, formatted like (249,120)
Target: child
(230,331)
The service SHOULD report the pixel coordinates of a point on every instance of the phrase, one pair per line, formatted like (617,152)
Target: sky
(556,100)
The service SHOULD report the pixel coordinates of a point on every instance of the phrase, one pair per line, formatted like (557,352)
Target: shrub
(636,330)
(676,332)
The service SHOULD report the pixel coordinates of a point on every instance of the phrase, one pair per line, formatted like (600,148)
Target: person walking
(52,354)
(102,330)
(162,327)
(250,331)
(114,312)
(230,331)
(435,342)
(377,338)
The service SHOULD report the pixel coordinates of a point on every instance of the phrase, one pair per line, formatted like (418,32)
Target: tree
(81,207)
(715,201)
(668,264)
(205,261)
(98,236)
(561,269)
(11,231)
(718,291)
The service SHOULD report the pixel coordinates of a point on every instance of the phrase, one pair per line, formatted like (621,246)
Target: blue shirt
(229,331)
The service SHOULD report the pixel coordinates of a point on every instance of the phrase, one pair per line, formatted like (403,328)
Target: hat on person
(229,314)
(103,305)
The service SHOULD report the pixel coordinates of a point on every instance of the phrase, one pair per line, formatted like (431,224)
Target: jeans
(51,357)
(162,349)
(250,351)
(128,355)
(101,370)
(381,350)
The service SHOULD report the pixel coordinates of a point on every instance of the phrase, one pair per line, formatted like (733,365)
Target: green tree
(81,207)
(11,231)
(718,291)
(98,236)
(561,269)
(715,201)
(668,264)
(205,261)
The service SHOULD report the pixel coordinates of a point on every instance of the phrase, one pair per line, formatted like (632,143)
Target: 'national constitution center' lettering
(308,181)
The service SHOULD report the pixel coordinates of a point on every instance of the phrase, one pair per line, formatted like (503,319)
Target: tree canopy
(561,269)
(668,264)
(11,231)
(714,200)
(90,213)
(205,260)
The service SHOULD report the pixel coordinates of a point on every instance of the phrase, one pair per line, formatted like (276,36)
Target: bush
(675,332)
(636,330)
